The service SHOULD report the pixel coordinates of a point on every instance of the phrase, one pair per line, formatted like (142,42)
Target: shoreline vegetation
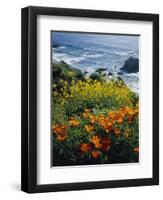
(95,118)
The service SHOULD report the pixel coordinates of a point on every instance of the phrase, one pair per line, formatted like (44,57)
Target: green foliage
(96,76)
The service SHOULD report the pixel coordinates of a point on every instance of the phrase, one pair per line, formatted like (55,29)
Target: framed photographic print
(90,99)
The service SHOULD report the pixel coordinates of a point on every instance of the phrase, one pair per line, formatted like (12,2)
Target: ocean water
(89,52)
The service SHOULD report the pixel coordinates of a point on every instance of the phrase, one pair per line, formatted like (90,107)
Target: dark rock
(120,73)
(55,45)
(131,65)
(99,70)
(110,74)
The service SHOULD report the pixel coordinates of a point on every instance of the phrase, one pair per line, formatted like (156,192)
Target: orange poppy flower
(130,119)
(61,137)
(85,147)
(123,110)
(106,143)
(116,116)
(95,154)
(111,114)
(102,122)
(86,113)
(117,131)
(96,141)
(120,121)
(127,133)
(130,112)
(101,117)
(121,114)
(60,129)
(92,119)
(89,128)
(74,122)
(98,145)
(136,149)
(109,127)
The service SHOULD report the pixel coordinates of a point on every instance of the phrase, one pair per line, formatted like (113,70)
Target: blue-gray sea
(89,52)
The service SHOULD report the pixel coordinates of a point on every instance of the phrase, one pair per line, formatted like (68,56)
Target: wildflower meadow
(93,122)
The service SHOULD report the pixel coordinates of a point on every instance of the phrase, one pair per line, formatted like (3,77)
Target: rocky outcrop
(131,65)
(62,71)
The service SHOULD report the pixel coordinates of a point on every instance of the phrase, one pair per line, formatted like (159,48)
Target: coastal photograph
(94,98)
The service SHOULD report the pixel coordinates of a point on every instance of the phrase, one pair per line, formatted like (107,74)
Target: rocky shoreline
(62,70)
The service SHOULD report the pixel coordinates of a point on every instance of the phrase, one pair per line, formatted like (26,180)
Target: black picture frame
(29,99)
